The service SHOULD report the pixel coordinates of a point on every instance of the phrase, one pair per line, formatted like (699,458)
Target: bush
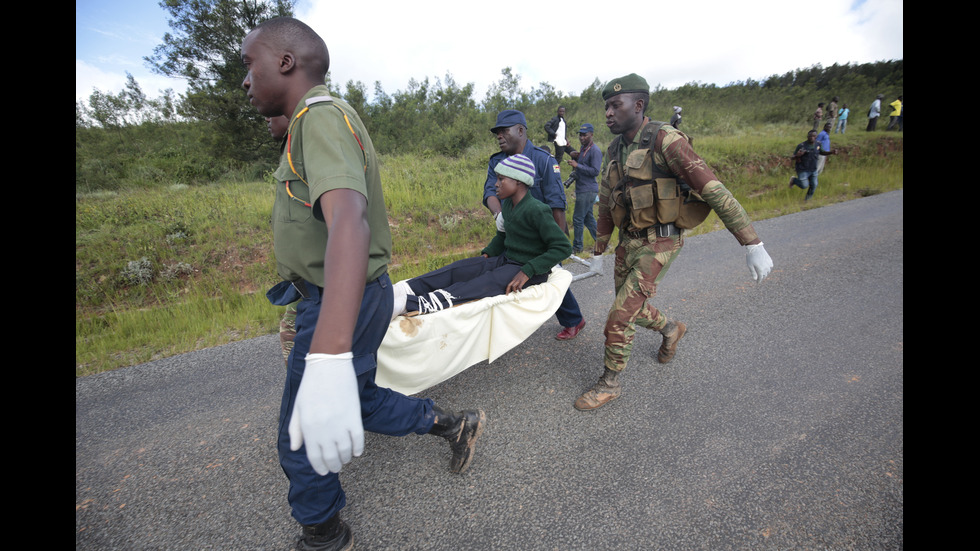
(138,272)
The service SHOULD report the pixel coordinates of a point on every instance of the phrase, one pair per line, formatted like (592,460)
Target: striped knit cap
(517,167)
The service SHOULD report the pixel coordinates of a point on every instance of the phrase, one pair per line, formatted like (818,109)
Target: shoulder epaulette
(289,136)
(317,99)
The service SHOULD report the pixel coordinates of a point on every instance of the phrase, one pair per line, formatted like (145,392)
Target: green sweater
(532,237)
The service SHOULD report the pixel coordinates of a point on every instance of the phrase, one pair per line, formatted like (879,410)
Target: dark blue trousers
(316,498)
(476,278)
(464,281)
(568,313)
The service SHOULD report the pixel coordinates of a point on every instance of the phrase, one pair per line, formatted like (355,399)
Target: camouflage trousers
(640,265)
(287,331)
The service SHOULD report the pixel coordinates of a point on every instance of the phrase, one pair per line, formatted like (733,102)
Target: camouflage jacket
(672,153)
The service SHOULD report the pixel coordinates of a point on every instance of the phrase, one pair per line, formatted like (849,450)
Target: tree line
(210,132)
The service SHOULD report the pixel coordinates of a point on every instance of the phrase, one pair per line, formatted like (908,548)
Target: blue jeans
(583,218)
(314,498)
(569,314)
(841,126)
(806,180)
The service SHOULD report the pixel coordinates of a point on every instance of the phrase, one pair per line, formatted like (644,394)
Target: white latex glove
(758,261)
(499,219)
(596,264)
(327,412)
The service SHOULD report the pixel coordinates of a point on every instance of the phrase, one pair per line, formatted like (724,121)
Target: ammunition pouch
(648,195)
(693,209)
(617,200)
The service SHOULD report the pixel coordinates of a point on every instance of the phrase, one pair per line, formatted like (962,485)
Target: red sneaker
(568,333)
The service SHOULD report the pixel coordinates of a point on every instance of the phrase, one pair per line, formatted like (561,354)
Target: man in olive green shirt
(332,247)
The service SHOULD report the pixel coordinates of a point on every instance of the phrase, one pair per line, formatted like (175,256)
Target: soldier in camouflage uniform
(632,198)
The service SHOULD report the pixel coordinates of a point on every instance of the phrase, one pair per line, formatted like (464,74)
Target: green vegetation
(173,194)
(165,270)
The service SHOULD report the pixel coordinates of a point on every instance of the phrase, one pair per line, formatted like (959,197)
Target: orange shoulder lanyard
(289,150)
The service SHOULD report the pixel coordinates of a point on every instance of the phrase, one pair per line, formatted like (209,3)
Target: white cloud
(567,44)
(89,77)
(668,43)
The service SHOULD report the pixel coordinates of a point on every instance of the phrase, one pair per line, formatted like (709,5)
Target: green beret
(630,84)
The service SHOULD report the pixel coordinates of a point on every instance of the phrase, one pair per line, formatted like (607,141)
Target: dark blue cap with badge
(586,128)
(508,118)
(630,84)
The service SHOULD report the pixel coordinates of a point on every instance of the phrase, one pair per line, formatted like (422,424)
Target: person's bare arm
(345,269)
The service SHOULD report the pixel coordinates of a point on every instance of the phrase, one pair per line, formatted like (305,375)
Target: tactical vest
(648,195)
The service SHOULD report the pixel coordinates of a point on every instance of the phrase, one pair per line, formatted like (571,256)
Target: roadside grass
(127,337)
(162,271)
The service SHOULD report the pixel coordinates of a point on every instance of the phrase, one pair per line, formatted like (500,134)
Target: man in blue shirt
(823,138)
(511,133)
(586,167)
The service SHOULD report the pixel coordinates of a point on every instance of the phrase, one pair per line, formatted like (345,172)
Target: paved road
(778,426)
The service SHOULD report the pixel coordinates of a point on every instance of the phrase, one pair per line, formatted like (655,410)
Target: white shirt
(560,133)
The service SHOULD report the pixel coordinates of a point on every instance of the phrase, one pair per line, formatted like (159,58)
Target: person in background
(874,112)
(675,119)
(557,128)
(818,116)
(823,138)
(806,155)
(895,115)
(832,111)
(842,119)
(585,170)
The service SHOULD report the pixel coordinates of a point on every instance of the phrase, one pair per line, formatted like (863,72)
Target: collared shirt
(823,138)
(323,152)
(589,166)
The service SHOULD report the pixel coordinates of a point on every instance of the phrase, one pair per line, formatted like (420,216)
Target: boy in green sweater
(522,255)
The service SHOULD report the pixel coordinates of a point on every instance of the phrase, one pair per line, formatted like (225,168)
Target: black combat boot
(330,535)
(462,431)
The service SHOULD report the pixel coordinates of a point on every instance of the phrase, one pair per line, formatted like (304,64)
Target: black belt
(654,231)
(308,290)
(305,288)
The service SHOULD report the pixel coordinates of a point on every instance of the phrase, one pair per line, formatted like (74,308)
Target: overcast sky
(708,41)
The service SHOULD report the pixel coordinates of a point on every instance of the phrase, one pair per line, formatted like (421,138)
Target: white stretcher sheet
(421,351)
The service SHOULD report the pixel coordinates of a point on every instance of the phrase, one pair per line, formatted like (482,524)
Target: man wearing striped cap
(510,129)
(521,256)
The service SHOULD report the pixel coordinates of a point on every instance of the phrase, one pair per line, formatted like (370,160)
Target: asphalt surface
(779,425)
